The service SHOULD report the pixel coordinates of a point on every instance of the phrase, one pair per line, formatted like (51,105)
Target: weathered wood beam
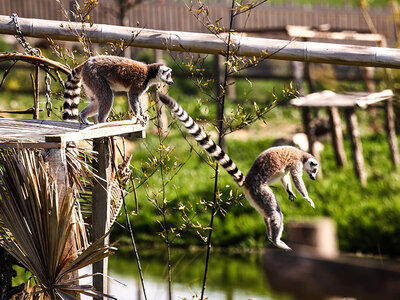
(32,145)
(98,131)
(337,136)
(391,133)
(101,208)
(207,43)
(40,61)
(57,164)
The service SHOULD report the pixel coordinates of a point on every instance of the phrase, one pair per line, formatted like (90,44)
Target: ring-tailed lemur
(272,164)
(100,76)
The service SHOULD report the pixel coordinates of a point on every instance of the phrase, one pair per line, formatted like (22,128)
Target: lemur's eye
(313,163)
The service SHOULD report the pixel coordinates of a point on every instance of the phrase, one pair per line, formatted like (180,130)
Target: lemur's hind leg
(101,97)
(89,111)
(265,202)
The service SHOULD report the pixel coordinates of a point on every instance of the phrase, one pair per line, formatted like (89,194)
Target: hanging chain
(34,52)
(20,37)
(49,105)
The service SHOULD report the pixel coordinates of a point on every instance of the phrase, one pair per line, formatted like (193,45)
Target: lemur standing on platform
(272,164)
(100,76)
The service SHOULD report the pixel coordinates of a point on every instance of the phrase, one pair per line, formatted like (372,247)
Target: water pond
(230,276)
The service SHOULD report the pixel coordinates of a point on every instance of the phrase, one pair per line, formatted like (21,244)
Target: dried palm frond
(82,175)
(79,165)
(35,230)
(117,188)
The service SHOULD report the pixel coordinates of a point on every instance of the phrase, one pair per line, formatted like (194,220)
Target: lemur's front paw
(292,196)
(142,119)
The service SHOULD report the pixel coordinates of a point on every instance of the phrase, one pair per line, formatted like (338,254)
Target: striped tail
(204,141)
(71,95)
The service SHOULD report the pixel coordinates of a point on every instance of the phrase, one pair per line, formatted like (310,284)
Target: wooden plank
(33,145)
(96,131)
(331,99)
(31,132)
(44,123)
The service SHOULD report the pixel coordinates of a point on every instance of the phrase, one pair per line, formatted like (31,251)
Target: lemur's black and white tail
(71,95)
(204,141)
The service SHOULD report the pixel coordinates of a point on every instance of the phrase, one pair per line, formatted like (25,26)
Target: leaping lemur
(272,164)
(100,76)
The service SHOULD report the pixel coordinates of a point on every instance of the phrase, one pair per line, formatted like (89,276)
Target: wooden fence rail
(175,15)
(208,43)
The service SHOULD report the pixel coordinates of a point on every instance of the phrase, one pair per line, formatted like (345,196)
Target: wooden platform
(332,99)
(28,133)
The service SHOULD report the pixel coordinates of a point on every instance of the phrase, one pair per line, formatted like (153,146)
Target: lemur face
(164,74)
(311,168)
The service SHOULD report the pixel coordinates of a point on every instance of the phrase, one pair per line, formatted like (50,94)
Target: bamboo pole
(208,43)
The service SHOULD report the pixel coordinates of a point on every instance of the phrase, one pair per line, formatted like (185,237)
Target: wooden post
(337,136)
(313,237)
(298,73)
(101,207)
(356,146)
(391,133)
(57,163)
(306,119)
